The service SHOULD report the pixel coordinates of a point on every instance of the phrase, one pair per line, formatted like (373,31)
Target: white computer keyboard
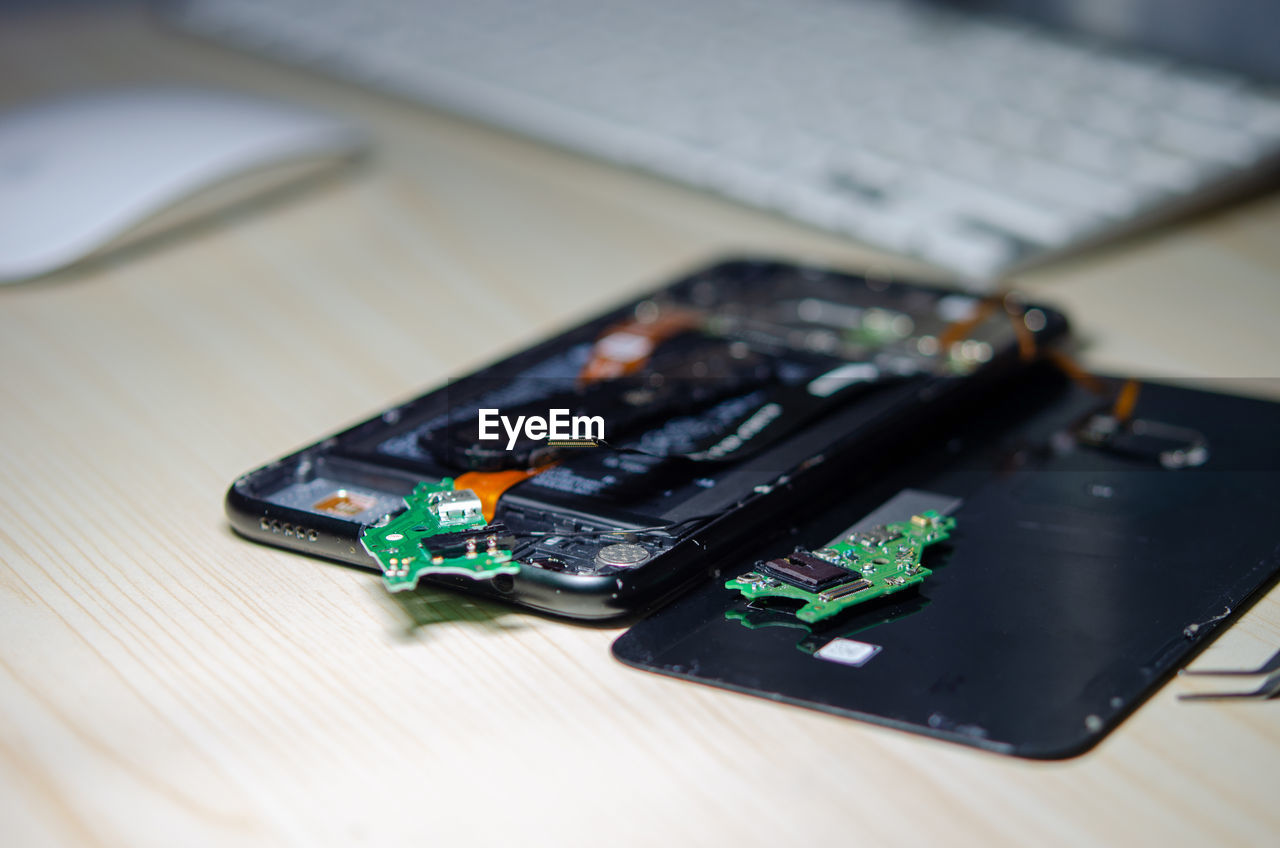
(973,143)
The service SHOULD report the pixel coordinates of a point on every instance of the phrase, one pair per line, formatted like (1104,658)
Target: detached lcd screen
(1075,581)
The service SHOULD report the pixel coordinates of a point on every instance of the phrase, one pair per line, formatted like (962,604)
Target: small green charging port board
(850,570)
(440,531)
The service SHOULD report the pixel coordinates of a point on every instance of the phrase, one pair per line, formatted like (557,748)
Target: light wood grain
(165,683)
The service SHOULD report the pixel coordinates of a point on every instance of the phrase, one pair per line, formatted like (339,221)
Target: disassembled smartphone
(606,468)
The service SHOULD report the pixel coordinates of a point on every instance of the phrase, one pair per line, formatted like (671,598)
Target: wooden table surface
(163,682)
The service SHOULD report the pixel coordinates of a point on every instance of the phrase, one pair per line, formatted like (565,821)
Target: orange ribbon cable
(957,330)
(622,349)
(1072,369)
(1027,348)
(1126,401)
(490,485)
(625,348)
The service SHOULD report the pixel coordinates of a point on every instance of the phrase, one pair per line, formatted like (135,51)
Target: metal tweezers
(1270,687)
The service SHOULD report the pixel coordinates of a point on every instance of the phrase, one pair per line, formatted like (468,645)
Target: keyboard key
(884,229)
(1262,117)
(1133,79)
(1205,141)
(1161,170)
(1011,128)
(739,180)
(957,200)
(972,160)
(1121,118)
(977,255)
(865,169)
(1213,99)
(815,205)
(1069,187)
(1085,149)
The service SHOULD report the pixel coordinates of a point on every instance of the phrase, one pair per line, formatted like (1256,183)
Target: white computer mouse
(86,173)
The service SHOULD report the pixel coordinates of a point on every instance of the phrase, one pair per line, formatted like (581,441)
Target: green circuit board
(440,531)
(850,570)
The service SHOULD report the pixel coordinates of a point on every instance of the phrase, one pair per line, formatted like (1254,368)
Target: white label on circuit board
(847,652)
